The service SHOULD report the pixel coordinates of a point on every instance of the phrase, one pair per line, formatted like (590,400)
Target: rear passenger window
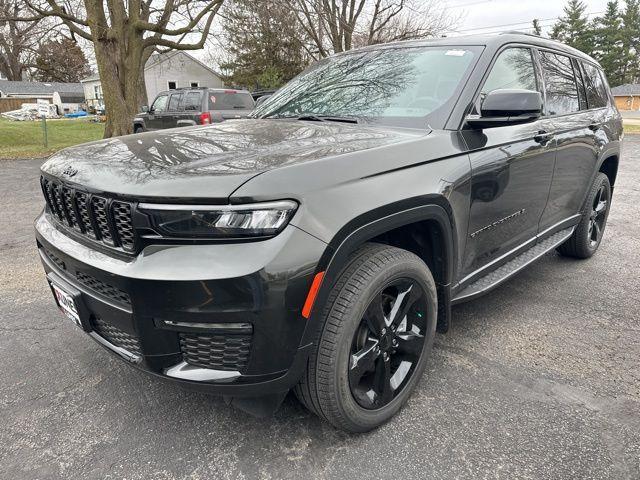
(582,94)
(596,89)
(562,91)
(513,69)
(192,101)
(174,102)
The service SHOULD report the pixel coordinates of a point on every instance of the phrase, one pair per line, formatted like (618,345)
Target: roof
(495,40)
(9,87)
(91,78)
(158,58)
(626,89)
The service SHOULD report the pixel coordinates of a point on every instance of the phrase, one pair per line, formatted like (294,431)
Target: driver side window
(513,69)
(160,104)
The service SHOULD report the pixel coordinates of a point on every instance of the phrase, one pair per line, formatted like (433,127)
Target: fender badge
(69,171)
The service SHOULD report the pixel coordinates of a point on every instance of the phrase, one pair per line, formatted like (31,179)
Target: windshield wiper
(327,118)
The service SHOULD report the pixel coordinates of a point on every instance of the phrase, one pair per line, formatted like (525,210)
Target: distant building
(69,97)
(627,96)
(163,71)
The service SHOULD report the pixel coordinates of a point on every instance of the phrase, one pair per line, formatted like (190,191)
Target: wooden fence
(11,103)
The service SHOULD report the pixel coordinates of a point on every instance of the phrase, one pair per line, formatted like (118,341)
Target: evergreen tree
(536,27)
(264,46)
(607,39)
(573,28)
(630,42)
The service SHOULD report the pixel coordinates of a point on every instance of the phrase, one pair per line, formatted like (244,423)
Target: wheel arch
(429,222)
(609,166)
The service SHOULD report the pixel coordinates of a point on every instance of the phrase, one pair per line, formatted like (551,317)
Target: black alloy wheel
(598,215)
(376,329)
(388,343)
(587,236)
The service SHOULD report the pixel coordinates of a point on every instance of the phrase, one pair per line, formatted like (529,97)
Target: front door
(155,117)
(512,169)
(174,113)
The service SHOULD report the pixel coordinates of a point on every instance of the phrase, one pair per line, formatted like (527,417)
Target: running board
(509,269)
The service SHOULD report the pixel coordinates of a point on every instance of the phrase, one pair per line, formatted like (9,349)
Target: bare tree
(334,26)
(18,40)
(124,35)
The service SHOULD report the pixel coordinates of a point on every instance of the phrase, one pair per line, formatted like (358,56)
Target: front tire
(588,234)
(377,329)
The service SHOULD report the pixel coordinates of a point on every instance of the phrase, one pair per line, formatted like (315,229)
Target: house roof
(91,78)
(9,87)
(158,58)
(626,89)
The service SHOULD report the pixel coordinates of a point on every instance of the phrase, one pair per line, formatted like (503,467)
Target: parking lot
(538,379)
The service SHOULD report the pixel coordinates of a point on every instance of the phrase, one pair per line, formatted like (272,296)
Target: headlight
(220,221)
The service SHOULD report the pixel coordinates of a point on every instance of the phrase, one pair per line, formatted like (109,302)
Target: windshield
(388,85)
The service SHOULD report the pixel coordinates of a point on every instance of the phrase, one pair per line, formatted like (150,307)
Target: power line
(506,25)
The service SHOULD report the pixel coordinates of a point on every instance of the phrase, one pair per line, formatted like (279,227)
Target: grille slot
(95,217)
(103,288)
(218,352)
(116,336)
(55,259)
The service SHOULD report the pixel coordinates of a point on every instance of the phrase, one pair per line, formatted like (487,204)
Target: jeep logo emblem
(69,171)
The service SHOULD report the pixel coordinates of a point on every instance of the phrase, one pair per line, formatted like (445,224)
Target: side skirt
(494,278)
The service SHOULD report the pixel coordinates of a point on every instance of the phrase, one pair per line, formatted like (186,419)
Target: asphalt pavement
(539,379)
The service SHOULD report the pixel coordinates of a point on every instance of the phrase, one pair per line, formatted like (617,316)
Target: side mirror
(507,107)
(145,108)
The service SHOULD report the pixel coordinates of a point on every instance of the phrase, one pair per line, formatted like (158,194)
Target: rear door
(155,119)
(511,167)
(229,104)
(173,110)
(577,114)
(192,105)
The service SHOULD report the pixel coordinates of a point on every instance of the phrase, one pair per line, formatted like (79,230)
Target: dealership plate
(66,303)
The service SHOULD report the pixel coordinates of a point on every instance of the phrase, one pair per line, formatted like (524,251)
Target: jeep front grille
(96,217)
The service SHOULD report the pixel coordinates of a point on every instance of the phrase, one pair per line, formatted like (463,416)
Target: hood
(208,161)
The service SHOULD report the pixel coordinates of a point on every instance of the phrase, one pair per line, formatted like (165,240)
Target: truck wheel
(588,234)
(138,129)
(377,329)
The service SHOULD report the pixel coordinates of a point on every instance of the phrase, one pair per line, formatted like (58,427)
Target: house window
(97,91)
(194,84)
(172,85)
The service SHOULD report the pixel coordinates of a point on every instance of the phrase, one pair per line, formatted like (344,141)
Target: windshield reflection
(373,84)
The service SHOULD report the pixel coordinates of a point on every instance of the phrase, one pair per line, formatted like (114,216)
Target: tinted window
(387,84)
(230,101)
(596,89)
(192,100)
(582,94)
(160,104)
(513,69)
(174,102)
(562,92)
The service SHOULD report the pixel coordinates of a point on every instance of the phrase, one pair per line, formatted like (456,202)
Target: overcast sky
(480,16)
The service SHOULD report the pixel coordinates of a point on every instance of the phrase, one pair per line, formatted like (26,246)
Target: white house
(163,71)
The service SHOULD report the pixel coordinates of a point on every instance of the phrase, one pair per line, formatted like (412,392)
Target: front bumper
(223,318)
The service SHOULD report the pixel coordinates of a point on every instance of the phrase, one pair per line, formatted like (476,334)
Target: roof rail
(516,32)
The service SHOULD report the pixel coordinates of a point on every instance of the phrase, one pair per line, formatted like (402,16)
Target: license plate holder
(69,301)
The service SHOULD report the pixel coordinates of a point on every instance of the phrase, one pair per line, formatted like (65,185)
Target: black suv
(185,107)
(319,245)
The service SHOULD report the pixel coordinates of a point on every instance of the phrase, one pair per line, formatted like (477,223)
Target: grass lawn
(629,128)
(24,139)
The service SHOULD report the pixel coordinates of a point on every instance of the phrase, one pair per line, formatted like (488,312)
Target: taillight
(205,118)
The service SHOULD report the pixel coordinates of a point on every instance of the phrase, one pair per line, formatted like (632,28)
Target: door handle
(594,127)
(542,137)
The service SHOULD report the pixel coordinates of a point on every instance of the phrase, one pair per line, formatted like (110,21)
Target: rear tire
(346,381)
(588,234)
(138,129)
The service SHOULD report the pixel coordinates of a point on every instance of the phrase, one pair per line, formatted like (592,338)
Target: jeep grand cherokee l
(319,245)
